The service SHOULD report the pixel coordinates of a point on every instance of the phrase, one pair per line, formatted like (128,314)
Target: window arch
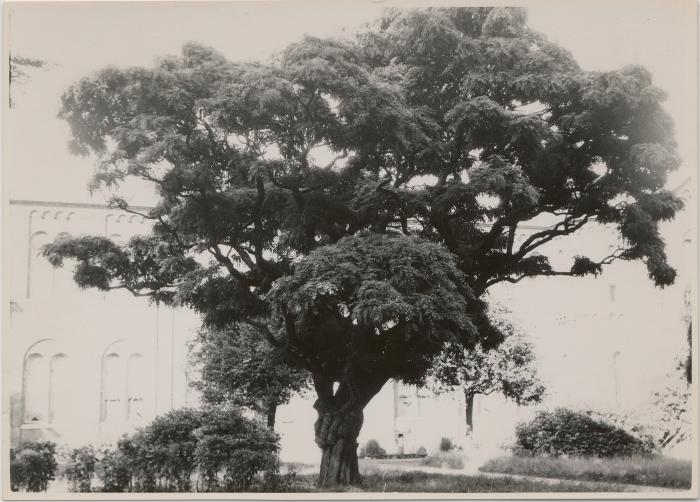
(45,383)
(124,394)
(35,388)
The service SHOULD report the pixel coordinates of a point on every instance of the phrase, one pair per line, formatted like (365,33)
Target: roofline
(81,205)
(85,205)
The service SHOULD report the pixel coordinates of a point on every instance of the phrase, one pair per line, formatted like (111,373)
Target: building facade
(80,365)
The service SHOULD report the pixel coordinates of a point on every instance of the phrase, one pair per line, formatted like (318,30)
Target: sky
(79,38)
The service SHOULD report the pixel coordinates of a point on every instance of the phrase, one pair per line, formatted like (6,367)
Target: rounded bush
(574,433)
(373,449)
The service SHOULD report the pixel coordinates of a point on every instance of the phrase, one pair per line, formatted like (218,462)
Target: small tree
(20,68)
(80,468)
(33,466)
(240,368)
(665,420)
(509,369)
(117,468)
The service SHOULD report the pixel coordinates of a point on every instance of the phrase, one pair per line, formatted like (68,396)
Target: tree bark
(469,412)
(336,434)
(340,418)
(271,414)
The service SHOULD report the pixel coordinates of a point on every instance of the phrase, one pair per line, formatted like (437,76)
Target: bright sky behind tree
(79,38)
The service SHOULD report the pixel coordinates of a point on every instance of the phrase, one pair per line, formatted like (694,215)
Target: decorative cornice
(81,205)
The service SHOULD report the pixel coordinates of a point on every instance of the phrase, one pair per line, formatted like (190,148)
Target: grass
(449,459)
(639,470)
(422,482)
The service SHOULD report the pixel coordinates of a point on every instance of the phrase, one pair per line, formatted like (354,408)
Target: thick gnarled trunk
(340,418)
(336,435)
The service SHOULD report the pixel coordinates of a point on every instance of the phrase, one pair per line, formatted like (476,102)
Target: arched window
(46,385)
(36,388)
(127,385)
(113,388)
(59,389)
(40,274)
(136,376)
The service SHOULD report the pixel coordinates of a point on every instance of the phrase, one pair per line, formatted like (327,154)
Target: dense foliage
(219,448)
(32,466)
(425,140)
(80,468)
(236,449)
(576,434)
(236,366)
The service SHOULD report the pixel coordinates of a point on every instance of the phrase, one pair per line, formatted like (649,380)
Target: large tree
(423,141)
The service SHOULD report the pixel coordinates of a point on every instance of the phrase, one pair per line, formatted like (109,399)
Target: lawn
(423,482)
(639,470)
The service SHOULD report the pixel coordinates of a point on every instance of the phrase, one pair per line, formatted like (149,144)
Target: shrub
(116,472)
(446,444)
(422,452)
(373,449)
(33,466)
(169,444)
(230,452)
(574,433)
(80,468)
(244,451)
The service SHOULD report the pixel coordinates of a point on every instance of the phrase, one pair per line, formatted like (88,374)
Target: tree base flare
(339,465)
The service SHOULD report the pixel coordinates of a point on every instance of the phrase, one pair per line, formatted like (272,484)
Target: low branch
(264,330)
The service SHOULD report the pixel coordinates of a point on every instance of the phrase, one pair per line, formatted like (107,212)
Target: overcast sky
(79,38)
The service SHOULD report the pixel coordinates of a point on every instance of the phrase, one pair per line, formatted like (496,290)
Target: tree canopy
(291,176)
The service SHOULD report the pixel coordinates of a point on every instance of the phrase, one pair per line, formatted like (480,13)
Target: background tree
(18,73)
(380,147)
(237,366)
(510,369)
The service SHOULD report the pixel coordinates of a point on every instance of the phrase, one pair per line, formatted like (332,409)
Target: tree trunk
(336,434)
(271,414)
(469,412)
(340,417)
